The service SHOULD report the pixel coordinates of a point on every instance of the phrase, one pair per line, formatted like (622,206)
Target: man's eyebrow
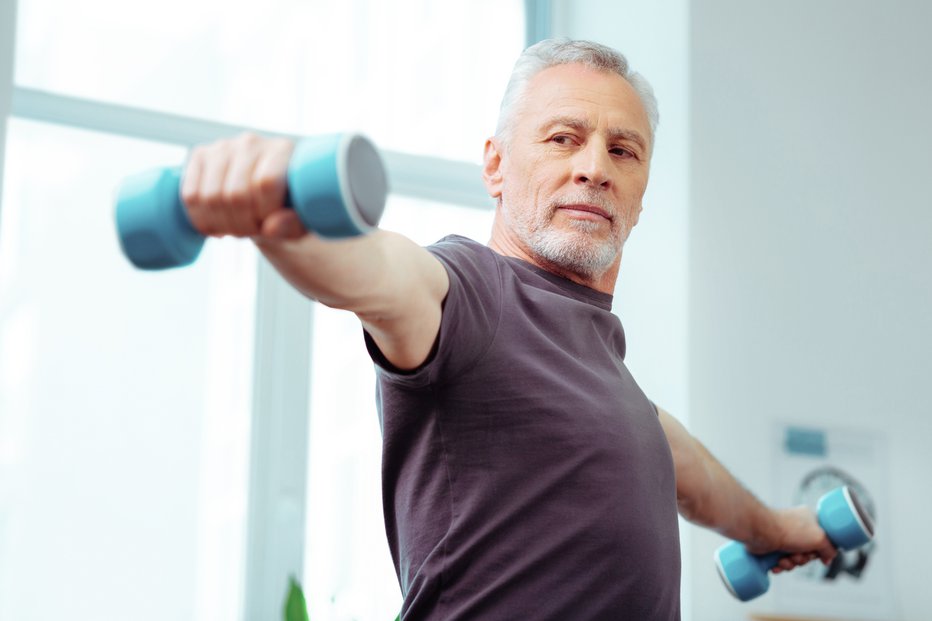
(615,133)
(567,121)
(628,134)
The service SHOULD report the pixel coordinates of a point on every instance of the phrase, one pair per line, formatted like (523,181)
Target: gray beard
(575,251)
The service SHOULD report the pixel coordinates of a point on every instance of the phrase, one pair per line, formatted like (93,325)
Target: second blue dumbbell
(840,514)
(336,184)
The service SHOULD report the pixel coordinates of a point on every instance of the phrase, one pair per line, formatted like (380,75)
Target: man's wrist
(766,532)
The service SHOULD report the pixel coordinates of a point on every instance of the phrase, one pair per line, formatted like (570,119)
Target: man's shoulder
(465,256)
(458,244)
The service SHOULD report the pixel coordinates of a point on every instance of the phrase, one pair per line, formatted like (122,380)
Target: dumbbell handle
(769,561)
(337,185)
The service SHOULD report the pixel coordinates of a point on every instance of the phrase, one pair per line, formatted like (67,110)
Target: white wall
(810,268)
(782,270)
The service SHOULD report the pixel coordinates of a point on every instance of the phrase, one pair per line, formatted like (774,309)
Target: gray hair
(552,52)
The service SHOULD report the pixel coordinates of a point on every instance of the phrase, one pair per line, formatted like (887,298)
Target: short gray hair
(552,52)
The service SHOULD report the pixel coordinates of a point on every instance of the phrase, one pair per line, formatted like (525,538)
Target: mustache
(587,198)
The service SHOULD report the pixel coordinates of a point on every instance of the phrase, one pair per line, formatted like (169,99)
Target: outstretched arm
(396,288)
(708,495)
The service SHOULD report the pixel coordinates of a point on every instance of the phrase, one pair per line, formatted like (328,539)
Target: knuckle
(247,139)
(267,194)
(234,197)
(267,183)
(212,200)
(216,149)
(198,221)
(191,197)
(198,152)
(281,144)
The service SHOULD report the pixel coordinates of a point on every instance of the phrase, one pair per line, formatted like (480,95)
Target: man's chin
(576,253)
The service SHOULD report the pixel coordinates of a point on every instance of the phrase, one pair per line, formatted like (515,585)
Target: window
(124,398)
(127,398)
(418,76)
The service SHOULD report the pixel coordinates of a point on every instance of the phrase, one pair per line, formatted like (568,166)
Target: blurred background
(173,445)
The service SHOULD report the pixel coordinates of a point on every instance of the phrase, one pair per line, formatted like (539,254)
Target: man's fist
(237,187)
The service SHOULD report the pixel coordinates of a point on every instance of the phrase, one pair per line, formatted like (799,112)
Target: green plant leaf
(295,606)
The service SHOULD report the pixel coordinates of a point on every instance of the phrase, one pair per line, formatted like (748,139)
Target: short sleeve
(470,316)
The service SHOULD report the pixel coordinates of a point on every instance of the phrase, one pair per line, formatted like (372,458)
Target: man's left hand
(799,535)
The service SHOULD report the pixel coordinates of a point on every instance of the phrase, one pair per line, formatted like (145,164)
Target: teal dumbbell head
(841,515)
(336,183)
(152,224)
(844,519)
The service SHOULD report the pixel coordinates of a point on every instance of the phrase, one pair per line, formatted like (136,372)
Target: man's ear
(637,214)
(492,167)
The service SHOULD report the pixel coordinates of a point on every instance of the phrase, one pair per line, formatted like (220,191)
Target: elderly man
(525,474)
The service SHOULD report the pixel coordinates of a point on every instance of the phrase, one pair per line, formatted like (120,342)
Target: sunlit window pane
(124,399)
(348,568)
(416,75)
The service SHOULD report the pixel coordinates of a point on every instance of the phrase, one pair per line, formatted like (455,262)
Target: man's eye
(561,139)
(621,152)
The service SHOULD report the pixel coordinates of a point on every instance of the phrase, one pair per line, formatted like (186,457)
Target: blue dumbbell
(336,183)
(840,515)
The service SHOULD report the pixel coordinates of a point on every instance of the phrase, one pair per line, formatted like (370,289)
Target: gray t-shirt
(525,475)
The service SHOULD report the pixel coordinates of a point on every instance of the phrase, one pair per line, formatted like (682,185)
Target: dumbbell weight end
(337,184)
(152,225)
(841,515)
(745,575)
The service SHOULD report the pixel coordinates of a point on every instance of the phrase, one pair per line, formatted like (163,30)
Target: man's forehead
(592,96)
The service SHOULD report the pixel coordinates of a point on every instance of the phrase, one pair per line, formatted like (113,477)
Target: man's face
(574,170)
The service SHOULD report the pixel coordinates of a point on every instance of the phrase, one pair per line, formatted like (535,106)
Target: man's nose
(592,166)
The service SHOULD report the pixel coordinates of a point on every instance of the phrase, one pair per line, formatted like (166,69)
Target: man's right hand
(237,187)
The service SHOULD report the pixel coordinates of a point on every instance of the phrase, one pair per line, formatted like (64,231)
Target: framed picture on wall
(809,462)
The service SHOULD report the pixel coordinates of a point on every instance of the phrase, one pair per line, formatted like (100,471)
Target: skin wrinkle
(579,139)
(615,134)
